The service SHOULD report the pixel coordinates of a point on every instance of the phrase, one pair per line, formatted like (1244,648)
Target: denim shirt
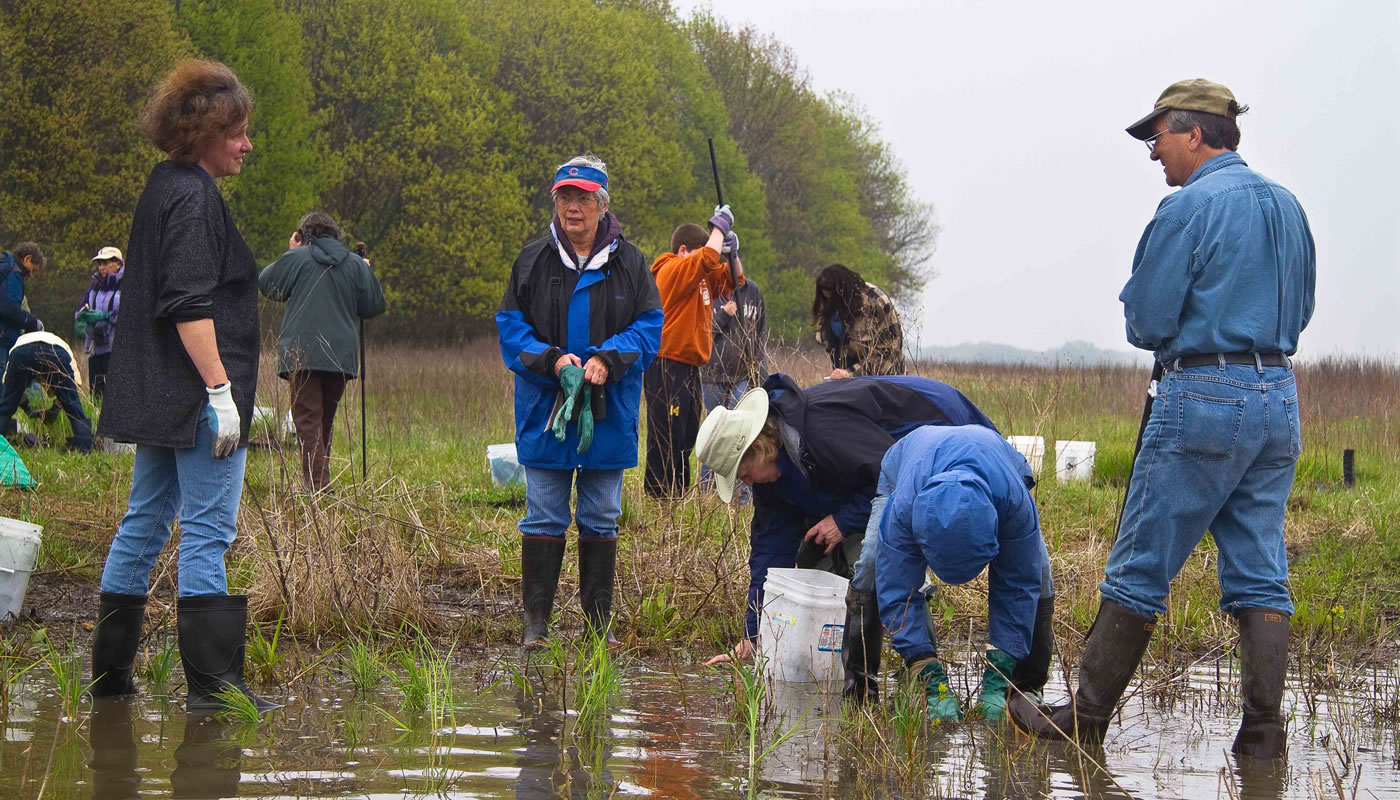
(1225,266)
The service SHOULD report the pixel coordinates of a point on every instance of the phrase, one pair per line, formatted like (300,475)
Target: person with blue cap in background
(958,503)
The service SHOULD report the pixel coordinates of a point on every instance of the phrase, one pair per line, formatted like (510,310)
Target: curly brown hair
(198,102)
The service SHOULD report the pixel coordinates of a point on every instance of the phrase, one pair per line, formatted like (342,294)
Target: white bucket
(801,627)
(19,553)
(504,465)
(1074,461)
(1033,448)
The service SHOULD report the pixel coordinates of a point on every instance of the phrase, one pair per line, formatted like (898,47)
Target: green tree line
(431,129)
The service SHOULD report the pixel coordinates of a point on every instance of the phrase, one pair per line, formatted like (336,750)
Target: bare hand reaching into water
(741,652)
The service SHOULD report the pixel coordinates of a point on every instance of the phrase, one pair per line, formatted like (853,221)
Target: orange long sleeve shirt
(687,286)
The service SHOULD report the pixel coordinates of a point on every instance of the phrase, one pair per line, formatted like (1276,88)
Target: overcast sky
(1009,115)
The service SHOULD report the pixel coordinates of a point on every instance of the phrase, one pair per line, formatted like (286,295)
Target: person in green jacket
(328,290)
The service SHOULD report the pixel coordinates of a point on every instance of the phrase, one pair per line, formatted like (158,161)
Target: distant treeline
(431,129)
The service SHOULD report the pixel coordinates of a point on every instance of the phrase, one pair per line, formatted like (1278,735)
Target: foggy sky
(1009,117)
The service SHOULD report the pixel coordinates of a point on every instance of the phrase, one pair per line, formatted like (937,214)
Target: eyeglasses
(1151,141)
(581,199)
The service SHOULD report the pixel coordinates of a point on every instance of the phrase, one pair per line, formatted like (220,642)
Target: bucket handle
(7,570)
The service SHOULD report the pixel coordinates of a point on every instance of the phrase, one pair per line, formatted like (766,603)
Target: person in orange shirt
(687,278)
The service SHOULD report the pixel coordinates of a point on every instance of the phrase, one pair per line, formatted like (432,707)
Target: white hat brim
(752,409)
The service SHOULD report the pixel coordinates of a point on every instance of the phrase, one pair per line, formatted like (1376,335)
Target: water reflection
(670,735)
(112,735)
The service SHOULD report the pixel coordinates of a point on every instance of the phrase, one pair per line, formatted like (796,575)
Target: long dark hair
(847,295)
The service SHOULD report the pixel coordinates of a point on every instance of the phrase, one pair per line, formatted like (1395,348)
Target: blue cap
(584,177)
(956,524)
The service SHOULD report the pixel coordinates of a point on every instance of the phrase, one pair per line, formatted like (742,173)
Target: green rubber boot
(943,705)
(996,683)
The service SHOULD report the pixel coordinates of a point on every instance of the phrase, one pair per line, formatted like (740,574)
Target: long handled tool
(733,271)
(1152,389)
(364,439)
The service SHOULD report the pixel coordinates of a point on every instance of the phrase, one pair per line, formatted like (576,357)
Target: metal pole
(733,272)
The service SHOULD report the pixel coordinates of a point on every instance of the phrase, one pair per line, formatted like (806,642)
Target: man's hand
(224,421)
(731,245)
(730,308)
(825,532)
(838,373)
(741,652)
(565,360)
(723,219)
(595,371)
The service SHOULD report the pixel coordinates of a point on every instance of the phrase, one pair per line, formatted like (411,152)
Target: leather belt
(1221,359)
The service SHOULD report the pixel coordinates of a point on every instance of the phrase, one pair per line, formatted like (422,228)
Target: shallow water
(671,735)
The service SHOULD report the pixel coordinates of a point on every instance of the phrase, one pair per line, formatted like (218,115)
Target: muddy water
(671,735)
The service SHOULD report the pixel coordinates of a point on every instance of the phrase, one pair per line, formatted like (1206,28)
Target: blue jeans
(203,490)
(717,394)
(547,494)
(1218,454)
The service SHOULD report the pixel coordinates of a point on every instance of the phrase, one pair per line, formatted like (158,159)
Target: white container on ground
(504,465)
(1033,448)
(801,626)
(19,553)
(1074,461)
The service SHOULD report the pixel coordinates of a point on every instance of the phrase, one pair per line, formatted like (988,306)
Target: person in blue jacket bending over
(959,502)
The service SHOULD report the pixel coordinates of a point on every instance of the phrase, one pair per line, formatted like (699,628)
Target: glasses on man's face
(1151,141)
(580,199)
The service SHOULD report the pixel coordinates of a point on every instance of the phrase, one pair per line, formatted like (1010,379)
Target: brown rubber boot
(1263,666)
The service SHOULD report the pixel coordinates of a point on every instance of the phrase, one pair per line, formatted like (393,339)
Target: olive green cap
(1197,94)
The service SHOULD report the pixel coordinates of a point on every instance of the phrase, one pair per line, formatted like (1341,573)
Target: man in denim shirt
(1222,285)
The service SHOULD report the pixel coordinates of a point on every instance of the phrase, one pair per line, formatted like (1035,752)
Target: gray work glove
(224,420)
(723,219)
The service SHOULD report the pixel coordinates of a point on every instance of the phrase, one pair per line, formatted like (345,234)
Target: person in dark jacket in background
(578,325)
(739,359)
(181,387)
(959,502)
(857,324)
(328,290)
(95,321)
(15,319)
(813,457)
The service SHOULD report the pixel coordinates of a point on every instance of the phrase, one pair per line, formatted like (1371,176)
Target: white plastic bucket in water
(504,465)
(1074,461)
(801,626)
(19,553)
(1033,448)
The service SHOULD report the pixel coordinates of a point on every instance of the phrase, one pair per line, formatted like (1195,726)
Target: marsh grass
(361,663)
(236,706)
(597,682)
(65,666)
(161,663)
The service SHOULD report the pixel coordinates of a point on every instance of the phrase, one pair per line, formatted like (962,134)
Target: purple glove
(731,245)
(723,220)
(40,323)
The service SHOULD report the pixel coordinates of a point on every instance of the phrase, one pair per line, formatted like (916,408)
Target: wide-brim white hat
(726,434)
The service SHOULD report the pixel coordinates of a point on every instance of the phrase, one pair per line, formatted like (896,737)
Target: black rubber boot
(861,644)
(1034,670)
(114,641)
(114,753)
(213,629)
(540,560)
(1116,643)
(1263,666)
(597,569)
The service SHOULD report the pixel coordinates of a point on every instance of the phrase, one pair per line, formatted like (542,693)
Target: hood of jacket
(327,251)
